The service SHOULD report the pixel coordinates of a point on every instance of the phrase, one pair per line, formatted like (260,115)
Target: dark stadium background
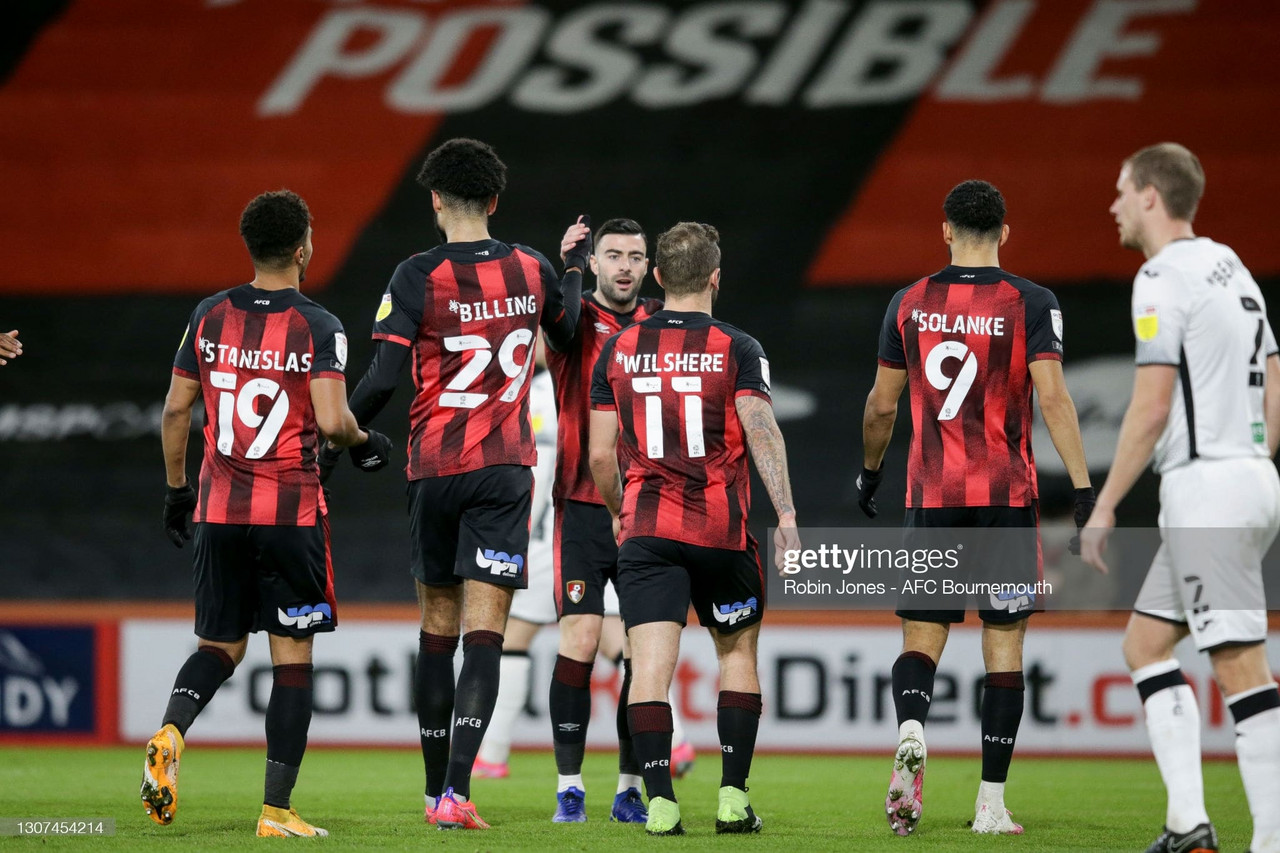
(125,141)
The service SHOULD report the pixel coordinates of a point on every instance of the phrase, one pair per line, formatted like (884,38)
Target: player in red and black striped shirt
(465,314)
(678,399)
(971,341)
(268,363)
(585,553)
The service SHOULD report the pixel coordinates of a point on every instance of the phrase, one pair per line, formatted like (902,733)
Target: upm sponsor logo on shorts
(731,614)
(500,562)
(304,616)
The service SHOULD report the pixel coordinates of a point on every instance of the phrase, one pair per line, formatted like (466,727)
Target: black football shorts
(1015,558)
(471,525)
(659,578)
(255,577)
(585,555)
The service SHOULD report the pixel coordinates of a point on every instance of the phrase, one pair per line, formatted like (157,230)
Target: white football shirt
(1196,308)
(542,411)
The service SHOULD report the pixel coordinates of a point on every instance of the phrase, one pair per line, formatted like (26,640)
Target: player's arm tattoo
(767,449)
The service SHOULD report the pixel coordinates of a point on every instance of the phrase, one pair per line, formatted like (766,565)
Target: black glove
(178,504)
(868,482)
(577,256)
(1085,499)
(373,454)
(326,459)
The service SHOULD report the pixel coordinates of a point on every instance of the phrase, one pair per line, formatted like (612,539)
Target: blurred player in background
(532,607)
(1206,403)
(269,364)
(677,400)
(466,314)
(586,552)
(970,465)
(10,346)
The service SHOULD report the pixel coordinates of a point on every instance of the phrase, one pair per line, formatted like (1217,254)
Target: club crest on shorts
(575,590)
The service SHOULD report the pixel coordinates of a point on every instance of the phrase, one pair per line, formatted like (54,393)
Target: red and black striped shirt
(469,311)
(966,336)
(254,353)
(571,366)
(673,380)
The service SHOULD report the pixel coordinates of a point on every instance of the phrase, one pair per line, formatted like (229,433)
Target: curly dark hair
(273,226)
(975,210)
(466,172)
(687,254)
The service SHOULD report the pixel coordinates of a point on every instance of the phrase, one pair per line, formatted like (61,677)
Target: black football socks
(913,674)
(737,721)
(1002,697)
(433,692)
(288,720)
(477,695)
(651,728)
(570,701)
(197,681)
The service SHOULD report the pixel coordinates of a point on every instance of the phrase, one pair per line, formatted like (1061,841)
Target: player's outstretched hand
(1085,499)
(373,454)
(179,503)
(868,482)
(1093,538)
(575,247)
(785,538)
(10,346)
(326,459)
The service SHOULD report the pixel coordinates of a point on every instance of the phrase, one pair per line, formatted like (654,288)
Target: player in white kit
(1206,410)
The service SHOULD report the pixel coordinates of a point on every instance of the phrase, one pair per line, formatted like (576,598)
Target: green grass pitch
(372,799)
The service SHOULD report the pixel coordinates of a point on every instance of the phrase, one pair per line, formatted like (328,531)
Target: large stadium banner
(826,689)
(134,131)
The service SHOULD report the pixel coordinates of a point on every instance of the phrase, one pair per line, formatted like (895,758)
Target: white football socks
(513,688)
(991,794)
(1258,754)
(911,728)
(626,781)
(564,783)
(1173,724)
